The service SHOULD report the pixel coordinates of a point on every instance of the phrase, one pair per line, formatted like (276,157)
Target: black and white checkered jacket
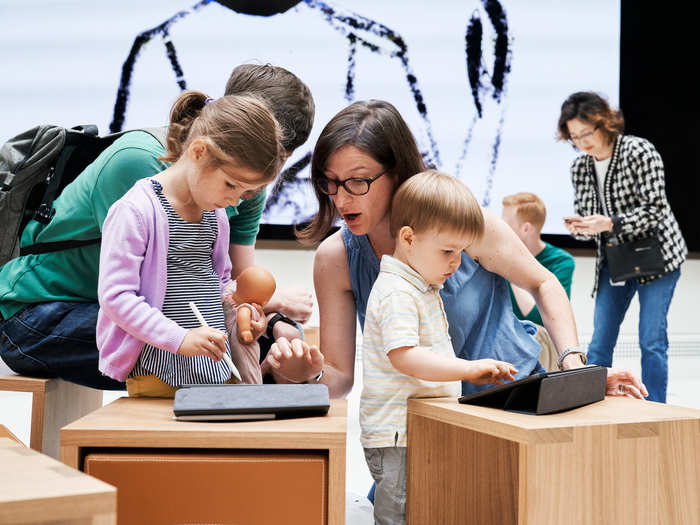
(635,199)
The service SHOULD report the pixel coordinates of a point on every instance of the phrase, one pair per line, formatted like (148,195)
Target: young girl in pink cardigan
(165,244)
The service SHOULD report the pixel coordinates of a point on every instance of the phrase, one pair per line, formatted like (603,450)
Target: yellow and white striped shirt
(402,310)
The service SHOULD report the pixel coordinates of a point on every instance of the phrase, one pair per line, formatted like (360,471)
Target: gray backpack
(35,166)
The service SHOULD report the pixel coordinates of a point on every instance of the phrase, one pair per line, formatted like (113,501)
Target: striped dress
(191,277)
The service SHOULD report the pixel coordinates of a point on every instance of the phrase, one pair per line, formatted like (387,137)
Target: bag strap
(46,211)
(47,247)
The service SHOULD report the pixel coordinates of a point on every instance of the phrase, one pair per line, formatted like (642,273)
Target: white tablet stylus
(230,364)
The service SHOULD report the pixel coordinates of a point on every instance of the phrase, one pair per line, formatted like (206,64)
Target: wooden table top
(637,416)
(143,422)
(37,488)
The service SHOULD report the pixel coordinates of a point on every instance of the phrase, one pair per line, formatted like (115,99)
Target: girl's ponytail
(185,110)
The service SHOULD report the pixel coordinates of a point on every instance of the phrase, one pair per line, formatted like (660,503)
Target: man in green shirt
(525,213)
(48,302)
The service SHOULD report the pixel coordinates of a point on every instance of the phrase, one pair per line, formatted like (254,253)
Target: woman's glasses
(354,186)
(582,136)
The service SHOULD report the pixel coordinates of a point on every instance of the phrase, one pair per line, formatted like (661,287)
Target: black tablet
(545,392)
(244,402)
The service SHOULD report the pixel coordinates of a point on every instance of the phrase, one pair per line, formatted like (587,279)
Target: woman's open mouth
(350,217)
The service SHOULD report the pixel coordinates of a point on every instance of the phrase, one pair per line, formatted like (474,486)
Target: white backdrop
(61,61)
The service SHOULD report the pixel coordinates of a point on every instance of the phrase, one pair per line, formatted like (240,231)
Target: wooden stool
(55,403)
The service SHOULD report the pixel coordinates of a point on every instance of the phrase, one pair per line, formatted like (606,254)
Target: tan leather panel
(252,487)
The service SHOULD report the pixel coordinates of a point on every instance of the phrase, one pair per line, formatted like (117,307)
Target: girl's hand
(489,371)
(258,323)
(206,341)
(293,361)
(252,323)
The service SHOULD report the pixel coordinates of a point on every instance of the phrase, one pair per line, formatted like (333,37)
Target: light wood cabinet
(620,461)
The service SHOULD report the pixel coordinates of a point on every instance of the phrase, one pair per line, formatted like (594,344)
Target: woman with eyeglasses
(619,196)
(362,156)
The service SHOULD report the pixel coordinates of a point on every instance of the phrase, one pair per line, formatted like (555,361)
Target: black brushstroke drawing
(361,33)
(482,82)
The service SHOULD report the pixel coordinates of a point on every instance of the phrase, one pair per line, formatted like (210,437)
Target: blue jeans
(55,339)
(610,307)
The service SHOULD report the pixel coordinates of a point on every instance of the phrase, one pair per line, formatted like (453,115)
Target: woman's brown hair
(592,108)
(236,129)
(376,128)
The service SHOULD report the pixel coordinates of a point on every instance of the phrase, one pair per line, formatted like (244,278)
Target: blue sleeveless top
(477,302)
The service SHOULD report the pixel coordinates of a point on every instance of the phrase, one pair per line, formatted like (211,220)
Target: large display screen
(479,82)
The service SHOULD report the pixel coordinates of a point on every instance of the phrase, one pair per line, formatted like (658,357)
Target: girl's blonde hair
(432,200)
(236,129)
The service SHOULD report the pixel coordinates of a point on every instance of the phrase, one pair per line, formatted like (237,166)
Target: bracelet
(571,350)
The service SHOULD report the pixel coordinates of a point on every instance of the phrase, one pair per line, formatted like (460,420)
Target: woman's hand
(624,383)
(572,223)
(293,361)
(593,224)
(489,371)
(204,340)
(295,302)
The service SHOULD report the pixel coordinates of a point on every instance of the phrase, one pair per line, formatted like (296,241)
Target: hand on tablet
(489,371)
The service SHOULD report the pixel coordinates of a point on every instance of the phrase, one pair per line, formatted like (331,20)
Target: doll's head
(254,285)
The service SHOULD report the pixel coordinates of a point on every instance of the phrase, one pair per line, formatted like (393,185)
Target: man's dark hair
(287,96)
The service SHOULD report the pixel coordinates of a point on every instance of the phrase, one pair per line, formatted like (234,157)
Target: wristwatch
(572,350)
(274,319)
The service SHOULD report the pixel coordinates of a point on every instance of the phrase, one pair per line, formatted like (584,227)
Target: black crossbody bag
(633,259)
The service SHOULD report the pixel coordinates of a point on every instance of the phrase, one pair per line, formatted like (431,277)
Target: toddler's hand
(489,371)
(204,340)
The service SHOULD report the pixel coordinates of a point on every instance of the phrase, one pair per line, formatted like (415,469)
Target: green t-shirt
(81,208)
(561,264)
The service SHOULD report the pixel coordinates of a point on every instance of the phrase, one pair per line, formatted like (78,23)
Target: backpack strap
(47,247)
(46,211)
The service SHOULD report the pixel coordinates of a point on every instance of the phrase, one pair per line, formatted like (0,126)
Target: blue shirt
(477,302)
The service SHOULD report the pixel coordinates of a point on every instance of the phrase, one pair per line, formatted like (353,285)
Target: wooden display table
(619,461)
(213,472)
(35,488)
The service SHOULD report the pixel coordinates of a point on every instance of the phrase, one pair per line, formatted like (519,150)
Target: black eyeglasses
(354,185)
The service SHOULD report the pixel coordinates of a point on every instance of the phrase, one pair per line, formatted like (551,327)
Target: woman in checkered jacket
(619,192)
